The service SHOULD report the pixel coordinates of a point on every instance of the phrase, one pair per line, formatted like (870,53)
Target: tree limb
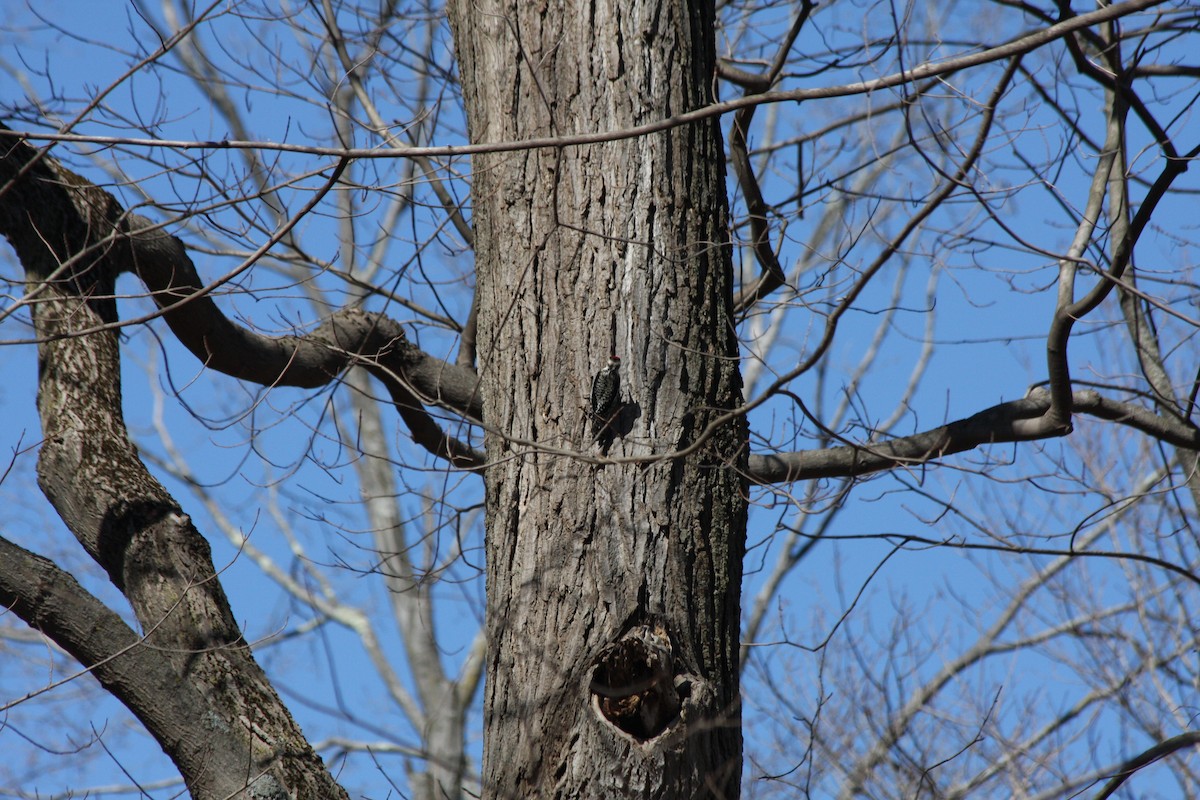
(1188,739)
(772,276)
(32,211)
(1006,422)
(212,760)
(973,58)
(68,235)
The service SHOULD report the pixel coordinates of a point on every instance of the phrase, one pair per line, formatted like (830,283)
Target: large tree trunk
(613,580)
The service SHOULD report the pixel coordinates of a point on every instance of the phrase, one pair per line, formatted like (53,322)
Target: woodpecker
(606,391)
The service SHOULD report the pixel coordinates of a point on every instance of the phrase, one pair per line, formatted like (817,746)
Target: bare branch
(756,207)
(1006,422)
(1147,757)
(172,708)
(349,337)
(1015,47)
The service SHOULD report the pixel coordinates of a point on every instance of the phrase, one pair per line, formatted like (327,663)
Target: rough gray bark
(211,754)
(612,587)
(613,590)
(126,520)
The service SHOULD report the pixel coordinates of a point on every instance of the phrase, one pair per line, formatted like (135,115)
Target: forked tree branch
(1014,421)
(772,276)
(72,239)
(51,601)
(36,209)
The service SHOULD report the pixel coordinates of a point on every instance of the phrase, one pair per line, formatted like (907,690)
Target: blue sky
(278,474)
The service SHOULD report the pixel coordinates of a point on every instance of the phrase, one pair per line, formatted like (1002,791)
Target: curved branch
(772,276)
(1014,421)
(1070,310)
(1147,757)
(1015,47)
(51,601)
(69,237)
(1058,368)
(349,337)
(34,216)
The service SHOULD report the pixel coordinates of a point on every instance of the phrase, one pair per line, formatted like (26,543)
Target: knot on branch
(633,682)
(122,521)
(366,335)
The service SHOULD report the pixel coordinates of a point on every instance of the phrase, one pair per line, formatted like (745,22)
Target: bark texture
(70,237)
(613,587)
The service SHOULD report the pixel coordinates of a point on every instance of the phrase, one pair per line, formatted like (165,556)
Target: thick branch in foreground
(39,202)
(347,338)
(1143,759)
(214,762)
(350,337)
(127,521)
(1014,421)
